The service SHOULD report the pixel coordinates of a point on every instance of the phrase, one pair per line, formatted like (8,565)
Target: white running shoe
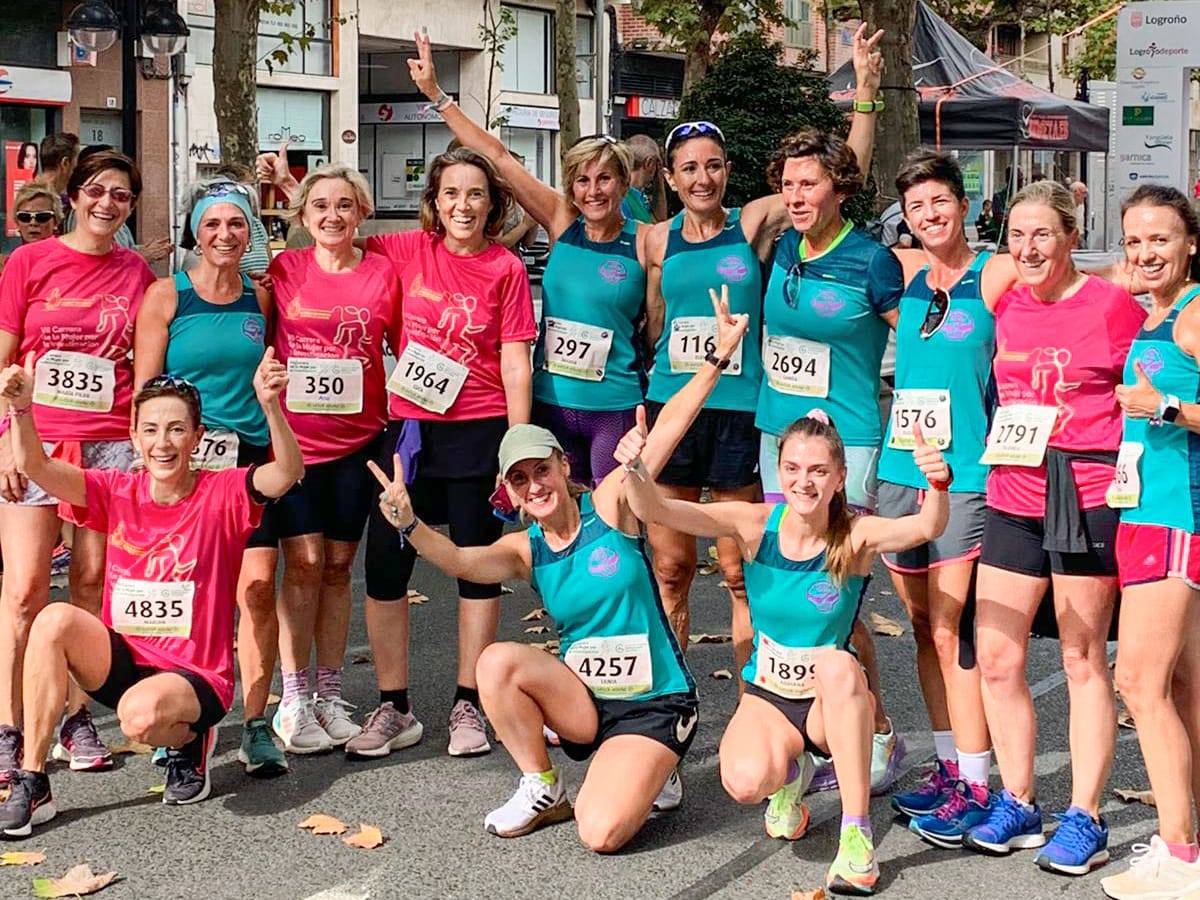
(334,716)
(296,724)
(534,805)
(1153,874)
(671,795)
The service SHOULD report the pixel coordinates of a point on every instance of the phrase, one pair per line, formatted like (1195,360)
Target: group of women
(1041,434)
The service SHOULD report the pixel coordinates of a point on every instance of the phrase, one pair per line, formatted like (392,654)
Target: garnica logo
(1152,361)
(732,269)
(604,562)
(823,595)
(613,271)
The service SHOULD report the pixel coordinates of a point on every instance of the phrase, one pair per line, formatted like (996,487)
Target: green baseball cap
(526,442)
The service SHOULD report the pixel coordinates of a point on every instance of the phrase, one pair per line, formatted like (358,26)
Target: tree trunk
(235,51)
(565,50)
(698,57)
(898,121)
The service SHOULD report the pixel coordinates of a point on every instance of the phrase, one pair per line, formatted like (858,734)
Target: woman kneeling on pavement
(619,688)
(806,692)
(162,655)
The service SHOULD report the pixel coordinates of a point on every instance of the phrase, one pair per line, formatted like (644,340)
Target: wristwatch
(721,364)
(1168,408)
(869,106)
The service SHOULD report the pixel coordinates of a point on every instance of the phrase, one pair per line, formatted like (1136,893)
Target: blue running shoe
(1078,846)
(1010,826)
(929,797)
(960,813)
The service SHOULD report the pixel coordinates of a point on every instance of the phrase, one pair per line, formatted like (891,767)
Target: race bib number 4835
(613,667)
(70,380)
(325,386)
(152,608)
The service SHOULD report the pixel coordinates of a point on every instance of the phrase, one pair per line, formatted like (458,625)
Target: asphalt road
(244,840)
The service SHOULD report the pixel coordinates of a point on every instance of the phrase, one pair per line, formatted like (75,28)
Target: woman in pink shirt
(1061,342)
(335,307)
(71,301)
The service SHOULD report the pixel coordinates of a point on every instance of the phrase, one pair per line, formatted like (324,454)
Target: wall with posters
(14,177)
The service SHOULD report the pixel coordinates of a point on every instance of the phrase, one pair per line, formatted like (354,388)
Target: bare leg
(674,557)
(948,588)
(303,560)
(729,555)
(616,797)
(840,722)
(864,646)
(477,623)
(756,749)
(27,535)
(332,626)
(913,593)
(258,627)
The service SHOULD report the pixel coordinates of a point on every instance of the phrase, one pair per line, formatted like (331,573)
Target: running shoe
(887,753)
(1011,825)
(551,736)
(188,770)
(259,753)
(159,757)
(296,724)
(1077,846)
(854,870)
(468,732)
(929,796)
(334,716)
(11,752)
(60,560)
(1154,874)
(946,826)
(29,803)
(534,805)
(786,817)
(79,744)
(386,729)
(671,795)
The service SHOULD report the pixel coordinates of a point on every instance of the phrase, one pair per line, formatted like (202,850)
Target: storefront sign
(397,114)
(14,179)
(1049,128)
(539,117)
(651,108)
(297,117)
(34,86)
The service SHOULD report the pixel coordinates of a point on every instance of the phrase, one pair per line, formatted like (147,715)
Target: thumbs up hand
(16,383)
(629,450)
(1141,399)
(929,460)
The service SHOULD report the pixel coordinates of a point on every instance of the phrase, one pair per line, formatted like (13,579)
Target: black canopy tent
(968,102)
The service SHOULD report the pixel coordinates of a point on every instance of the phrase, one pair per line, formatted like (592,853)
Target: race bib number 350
(427,378)
(577,350)
(613,667)
(152,608)
(929,409)
(787,671)
(796,366)
(1019,435)
(325,386)
(71,380)
(692,339)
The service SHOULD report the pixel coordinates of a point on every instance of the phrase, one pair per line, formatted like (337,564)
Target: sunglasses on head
(175,382)
(225,188)
(41,217)
(96,191)
(935,313)
(602,138)
(693,129)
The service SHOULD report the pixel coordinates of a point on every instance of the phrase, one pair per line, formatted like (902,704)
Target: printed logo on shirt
(158,562)
(604,562)
(732,268)
(828,303)
(456,325)
(1048,377)
(114,324)
(255,330)
(823,595)
(1152,361)
(958,325)
(352,332)
(57,301)
(613,271)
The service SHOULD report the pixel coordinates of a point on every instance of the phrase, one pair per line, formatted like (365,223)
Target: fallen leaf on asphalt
(884,625)
(710,565)
(323,824)
(710,638)
(1125,720)
(273,698)
(723,584)
(360,659)
(156,789)
(814,894)
(22,858)
(79,880)
(416,598)
(537,629)
(368,837)
(722,675)
(533,615)
(127,746)
(1146,797)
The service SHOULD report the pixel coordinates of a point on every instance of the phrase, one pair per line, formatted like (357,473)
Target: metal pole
(129,117)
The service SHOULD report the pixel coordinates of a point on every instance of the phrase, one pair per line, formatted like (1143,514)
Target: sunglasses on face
(41,217)
(96,191)
(693,129)
(935,313)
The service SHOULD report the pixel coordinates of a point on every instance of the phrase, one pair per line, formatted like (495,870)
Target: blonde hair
(839,550)
(358,184)
(604,151)
(1053,195)
(32,190)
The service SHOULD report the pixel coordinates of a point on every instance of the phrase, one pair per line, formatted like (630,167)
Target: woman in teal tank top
(209,326)
(1157,489)
(806,692)
(619,687)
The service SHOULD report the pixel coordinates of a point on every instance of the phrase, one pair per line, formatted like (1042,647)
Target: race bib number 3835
(325,386)
(72,380)
(152,608)
(613,667)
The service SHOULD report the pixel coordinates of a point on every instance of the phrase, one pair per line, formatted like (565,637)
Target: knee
(674,573)
(840,679)
(1082,663)
(258,598)
(87,579)
(735,578)
(335,569)
(498,664)
(24,601)
(600,830)
(304,566)
(944,638)
(139,716)
(53,624)
(1000,661)
(744,780)
(1135,683)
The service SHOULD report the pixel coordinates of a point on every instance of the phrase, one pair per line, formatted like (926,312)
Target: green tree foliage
(757,100)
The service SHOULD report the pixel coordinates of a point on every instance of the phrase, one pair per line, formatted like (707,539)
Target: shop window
(535,145)
(528,55)
(306,15)
(28,37)
(585,57)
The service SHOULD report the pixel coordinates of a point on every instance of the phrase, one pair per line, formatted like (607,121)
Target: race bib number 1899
(787,671)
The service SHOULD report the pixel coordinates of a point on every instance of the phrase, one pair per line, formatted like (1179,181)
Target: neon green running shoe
(786,816)
(854,871)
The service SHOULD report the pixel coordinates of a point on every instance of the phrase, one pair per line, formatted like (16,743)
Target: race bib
(427,378)
(72,380)
(787,671)
(152,608)
(576,350)
(613,667)
(1019,435)
(217,450)
(1125,492)
(692,339)
(929,409)
(796,366)
(324,386)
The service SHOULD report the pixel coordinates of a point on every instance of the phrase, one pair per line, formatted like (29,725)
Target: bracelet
(721,364)
(868,106)
(13,411)
(442,102)
(637,469)
(407,530)
(943,486)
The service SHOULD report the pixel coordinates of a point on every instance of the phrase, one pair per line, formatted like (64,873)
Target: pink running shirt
(343,316)
(464,307)
(56,298)
(199,540)
(1070,355)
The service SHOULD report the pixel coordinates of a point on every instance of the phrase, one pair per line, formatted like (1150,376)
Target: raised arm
(868,71)
(151,330)
(55,477)
(507,559)
(874,534)
(274,479)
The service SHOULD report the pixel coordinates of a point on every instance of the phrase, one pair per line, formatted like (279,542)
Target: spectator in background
(38,213)
(1079,192)
(985,226)
(520,227)
(647,170)
(155,250)
(59,153)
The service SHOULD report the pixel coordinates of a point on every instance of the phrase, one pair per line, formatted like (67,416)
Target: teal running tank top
(689,270)
(612,629)
(1169,467)
(945,377)
(593,295)
(824,338)
(217,347)
(795,607)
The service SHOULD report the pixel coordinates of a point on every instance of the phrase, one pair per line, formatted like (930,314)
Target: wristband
(407,530)
(868,106)
(943,486)
(721,364)
(442,102)
(637,469)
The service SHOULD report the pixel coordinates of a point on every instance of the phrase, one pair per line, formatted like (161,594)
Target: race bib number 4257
(613,667)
